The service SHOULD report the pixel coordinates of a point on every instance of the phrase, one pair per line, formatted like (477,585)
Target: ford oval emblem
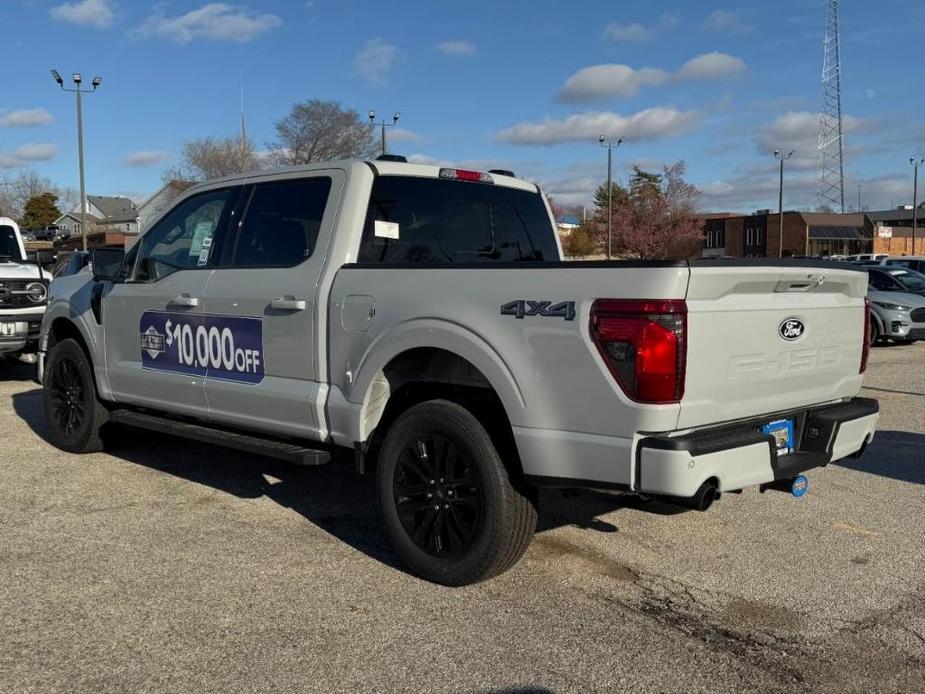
(791,329)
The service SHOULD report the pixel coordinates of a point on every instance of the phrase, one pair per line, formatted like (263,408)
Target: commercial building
(804,234)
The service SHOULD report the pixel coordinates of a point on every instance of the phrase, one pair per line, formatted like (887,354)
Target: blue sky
(523,85)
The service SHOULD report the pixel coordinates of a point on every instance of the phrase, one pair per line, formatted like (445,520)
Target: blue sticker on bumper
(229,348)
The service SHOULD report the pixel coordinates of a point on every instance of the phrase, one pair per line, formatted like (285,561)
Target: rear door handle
(289,303)
(184,300)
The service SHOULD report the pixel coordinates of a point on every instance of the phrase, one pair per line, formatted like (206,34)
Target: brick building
(892,231)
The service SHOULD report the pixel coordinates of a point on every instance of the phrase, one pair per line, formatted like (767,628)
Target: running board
(293,453)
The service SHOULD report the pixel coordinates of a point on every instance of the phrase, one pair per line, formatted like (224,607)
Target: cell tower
(830,170)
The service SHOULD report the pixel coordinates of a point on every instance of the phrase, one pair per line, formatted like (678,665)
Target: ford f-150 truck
(423,318)
(23,292)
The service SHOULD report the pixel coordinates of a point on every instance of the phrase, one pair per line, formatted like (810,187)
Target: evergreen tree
(40,211)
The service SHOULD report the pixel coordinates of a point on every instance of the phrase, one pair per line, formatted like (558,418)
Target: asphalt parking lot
(166,566)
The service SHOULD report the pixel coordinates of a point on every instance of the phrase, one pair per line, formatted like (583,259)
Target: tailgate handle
(800,285)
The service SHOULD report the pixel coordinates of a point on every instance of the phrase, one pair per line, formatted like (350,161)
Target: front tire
(72,409)
(448,504)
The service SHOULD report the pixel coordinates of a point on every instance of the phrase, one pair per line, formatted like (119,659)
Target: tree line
(33,201)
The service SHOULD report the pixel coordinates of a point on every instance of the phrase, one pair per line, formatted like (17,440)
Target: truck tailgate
(766,338)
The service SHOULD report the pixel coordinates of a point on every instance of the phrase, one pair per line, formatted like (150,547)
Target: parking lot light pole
(610,146)
(780,201)
(372,119)
(79,91)
(915,196)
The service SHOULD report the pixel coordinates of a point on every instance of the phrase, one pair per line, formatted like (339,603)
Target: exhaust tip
(705,496)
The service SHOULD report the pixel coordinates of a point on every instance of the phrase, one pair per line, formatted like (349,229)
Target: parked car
(48,233)
(858,257)
(23,295)
(422,318)
(911,262)
(896,279)
(898,316)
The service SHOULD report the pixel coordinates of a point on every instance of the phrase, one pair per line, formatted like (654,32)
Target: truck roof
(382,168)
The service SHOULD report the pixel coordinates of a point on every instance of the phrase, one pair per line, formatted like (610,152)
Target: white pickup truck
(423,317)
(23,292)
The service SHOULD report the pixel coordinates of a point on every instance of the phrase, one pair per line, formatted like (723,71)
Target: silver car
(898,316)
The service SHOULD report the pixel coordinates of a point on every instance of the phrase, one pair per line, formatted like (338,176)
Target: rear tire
(448,504)
(72,409)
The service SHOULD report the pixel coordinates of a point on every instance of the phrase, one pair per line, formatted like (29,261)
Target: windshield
(910,279)
(9,246)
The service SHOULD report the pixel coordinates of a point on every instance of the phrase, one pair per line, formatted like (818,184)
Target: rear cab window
(420,220)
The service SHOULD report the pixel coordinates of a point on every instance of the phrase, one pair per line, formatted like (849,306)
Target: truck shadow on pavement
(899,455)
(332,497)
(15,370)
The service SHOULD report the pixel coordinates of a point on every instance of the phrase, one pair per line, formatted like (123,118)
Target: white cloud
(796,131)
(649,124)
(375,61)
(35,152)
(726,21)
(215,21)
(145,157)
(457,48)
(610,80)
(402,135)
(599,82)
(669,20)
(627,32)
(95,13)
(25,118)
(708,65)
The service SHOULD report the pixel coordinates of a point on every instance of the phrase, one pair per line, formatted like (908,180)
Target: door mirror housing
(107,263)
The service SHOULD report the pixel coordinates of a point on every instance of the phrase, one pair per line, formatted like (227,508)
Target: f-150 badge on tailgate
(791,329)
(520,308)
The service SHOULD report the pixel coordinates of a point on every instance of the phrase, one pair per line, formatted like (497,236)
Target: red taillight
(865,349)
(466,175)
(644,344)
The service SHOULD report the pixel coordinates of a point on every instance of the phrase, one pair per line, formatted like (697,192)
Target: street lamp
(610,147)
(79,91)
(780,201)
(915,196)
(372,119)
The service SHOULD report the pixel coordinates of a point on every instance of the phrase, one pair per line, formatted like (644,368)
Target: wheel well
(428,373)
(63,329)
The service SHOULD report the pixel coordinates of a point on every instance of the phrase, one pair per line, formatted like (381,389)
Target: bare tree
(15,192)
(656,218)
(318,130)
(210,157)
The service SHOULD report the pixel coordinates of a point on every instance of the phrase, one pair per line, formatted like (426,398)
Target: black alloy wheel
(74,414)
(67,397)
(455,511)
(437,495)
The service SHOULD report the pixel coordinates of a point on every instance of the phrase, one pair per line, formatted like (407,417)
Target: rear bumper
(741,455)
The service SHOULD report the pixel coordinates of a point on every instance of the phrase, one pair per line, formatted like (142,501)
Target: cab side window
(281,225)
(184,239)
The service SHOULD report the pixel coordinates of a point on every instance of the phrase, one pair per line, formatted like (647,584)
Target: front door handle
(289,303)
(184,300)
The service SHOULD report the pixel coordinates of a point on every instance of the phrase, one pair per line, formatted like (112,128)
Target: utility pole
(610,147)
(780,201)
(372,119)
(915,196)
(97,81)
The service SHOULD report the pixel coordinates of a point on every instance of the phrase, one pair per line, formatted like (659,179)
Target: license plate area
(782,431)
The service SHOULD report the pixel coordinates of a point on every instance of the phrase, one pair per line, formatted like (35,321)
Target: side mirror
(106,263)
